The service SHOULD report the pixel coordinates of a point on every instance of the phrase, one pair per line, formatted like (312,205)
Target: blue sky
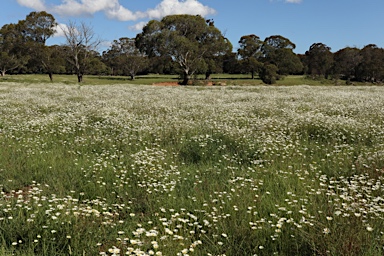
(336,23)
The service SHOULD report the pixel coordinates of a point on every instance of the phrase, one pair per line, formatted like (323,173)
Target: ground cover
(150,79)
(210,170)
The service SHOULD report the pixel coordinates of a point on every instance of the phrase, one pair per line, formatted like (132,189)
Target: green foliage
(319,60)
(187,39)
(268,73)
(278,50)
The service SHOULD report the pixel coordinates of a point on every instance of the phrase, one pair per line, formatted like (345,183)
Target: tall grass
(148,170)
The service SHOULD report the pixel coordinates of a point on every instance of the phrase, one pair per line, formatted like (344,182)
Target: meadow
(125,169)
(150,79)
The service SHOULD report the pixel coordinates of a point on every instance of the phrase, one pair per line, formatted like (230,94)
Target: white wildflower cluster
(142,170)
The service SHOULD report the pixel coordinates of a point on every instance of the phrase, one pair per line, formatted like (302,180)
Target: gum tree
(278,50)
(250,53)
(123,55)
(188,40)
(81,43)
(319,60)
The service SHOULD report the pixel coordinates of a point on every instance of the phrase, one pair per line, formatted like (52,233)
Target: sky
(335,23)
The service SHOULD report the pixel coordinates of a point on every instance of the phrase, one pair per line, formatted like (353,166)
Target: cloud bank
(114,10)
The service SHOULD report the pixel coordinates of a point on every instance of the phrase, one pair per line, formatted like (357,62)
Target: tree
(319,60)
(346,62)
(188,40)
(124,55)
(53,60)
(81,41)
(371,66)
(11,48)
(250,53)
(33,33)
(268,73)
(96,66)
(38,27)
(278,50)
(231,63)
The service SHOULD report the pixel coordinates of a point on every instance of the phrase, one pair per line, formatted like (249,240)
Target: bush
(268,73)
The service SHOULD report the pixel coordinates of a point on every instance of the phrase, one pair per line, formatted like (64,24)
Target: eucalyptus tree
(123,55)
(81,43)
(188,40)
(268,73)
(346,62)
(319,60)
(12,52)
(278,50)
(250,53)
(38,26)
(371,66)
(53,60)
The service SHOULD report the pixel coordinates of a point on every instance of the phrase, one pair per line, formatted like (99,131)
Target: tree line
(177,44)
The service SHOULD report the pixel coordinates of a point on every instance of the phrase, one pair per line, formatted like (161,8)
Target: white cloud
(169,7)
(121,13)
(114,10)
(87,7)
(138,26)
(37,5)
(105,44)
(293,1)
(60,28)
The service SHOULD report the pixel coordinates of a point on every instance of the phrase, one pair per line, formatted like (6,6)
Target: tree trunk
(3,73)
(132,77)
(79,78)
(253,74)
(185,78)
(50,76)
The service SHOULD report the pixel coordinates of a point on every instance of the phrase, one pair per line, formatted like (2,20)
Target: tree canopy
(176,44)
(188,40)
(278,50)
(319,60)
(250,53)
(124,57)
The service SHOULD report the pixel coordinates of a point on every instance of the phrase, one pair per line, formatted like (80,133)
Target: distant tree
(371,67)
(38,27)
(47,59)
(187,39)
(163,65)
(125,56)
(319,60)
(278,50)
(96,65)
(81,42)
(250,53)
(250,65)
(268,73)
(346,62)
(12,48)
(231,63)
(214,65)
(33,33)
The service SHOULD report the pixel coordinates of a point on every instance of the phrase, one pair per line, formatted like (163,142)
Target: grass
(232,170)
(216,79)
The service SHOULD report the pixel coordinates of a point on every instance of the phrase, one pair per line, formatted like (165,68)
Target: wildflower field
(150,170)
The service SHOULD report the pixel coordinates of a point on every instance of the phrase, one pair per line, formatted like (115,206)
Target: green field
(129,169)
(216,79)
